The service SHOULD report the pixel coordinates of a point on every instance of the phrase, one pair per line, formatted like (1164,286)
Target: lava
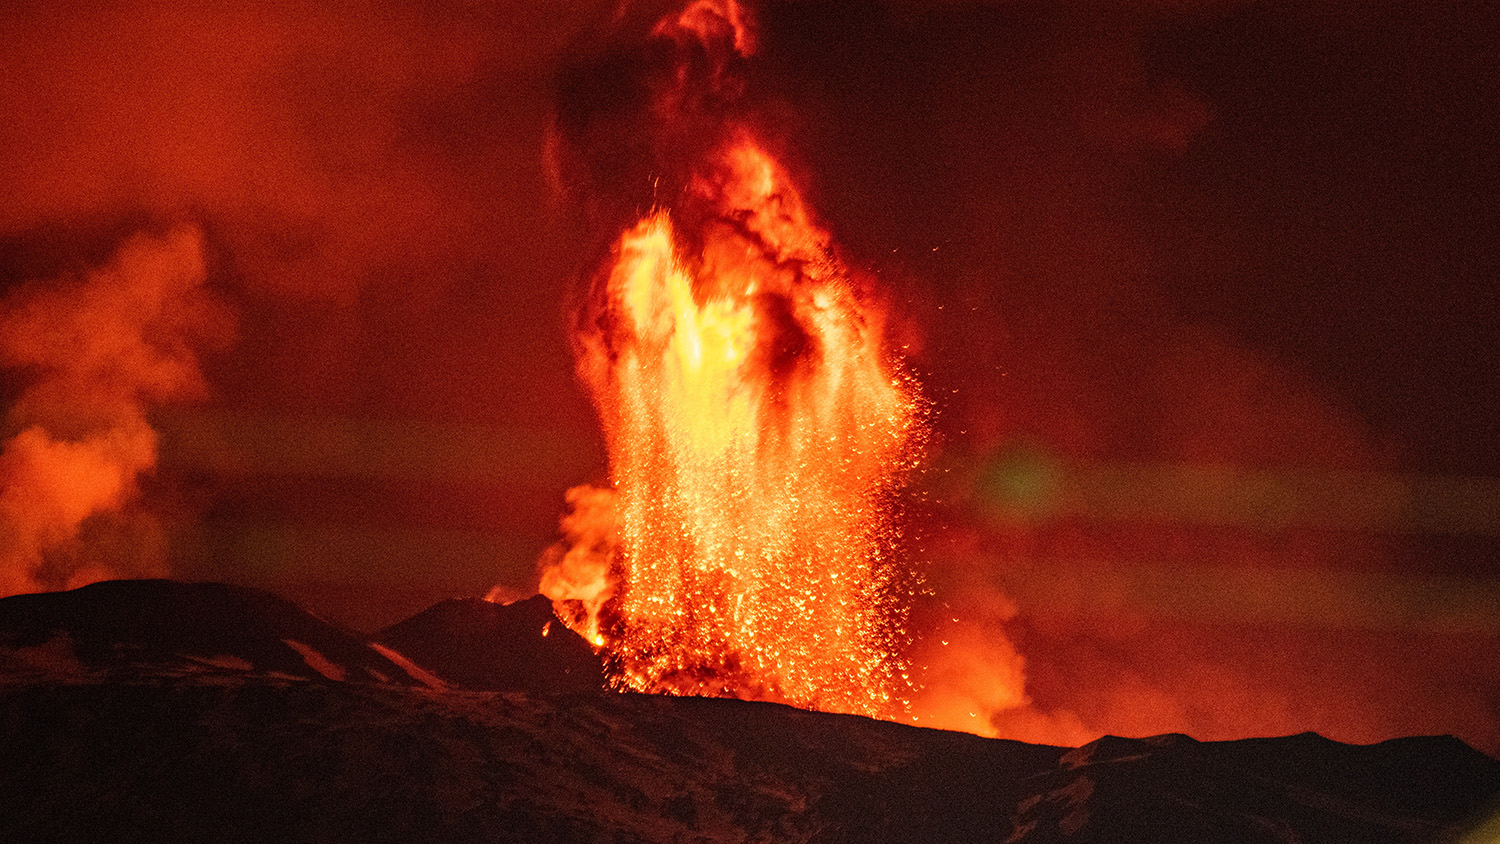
(757,430)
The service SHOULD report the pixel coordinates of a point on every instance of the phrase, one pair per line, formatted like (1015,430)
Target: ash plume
(94,354)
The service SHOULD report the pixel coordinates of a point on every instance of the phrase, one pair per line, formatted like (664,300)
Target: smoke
(1159,233)
(576,571)
(366,169)
(95,354)
(368,174)
(325,143)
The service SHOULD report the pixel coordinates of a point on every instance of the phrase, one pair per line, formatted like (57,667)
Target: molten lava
(757,429)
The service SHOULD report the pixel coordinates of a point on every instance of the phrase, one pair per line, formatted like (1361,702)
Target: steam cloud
(95,354)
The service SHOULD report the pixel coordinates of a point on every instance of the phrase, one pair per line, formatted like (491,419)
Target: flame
(708,20)
(756,429)
(576,571)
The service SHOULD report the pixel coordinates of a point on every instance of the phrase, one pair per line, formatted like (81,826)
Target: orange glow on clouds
(96,353)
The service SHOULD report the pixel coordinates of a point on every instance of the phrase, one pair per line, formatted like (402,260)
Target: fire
(757,430)
(577,570)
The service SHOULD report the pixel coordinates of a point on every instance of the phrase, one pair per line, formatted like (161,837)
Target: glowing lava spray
(757,431)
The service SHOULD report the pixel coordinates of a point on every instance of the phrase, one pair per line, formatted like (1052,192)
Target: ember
(757,429)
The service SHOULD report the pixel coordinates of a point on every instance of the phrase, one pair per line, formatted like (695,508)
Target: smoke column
(93,355)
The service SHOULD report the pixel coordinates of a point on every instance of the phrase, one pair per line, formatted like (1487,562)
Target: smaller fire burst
(757,431)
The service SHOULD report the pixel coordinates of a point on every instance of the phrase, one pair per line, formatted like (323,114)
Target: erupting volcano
(1084,397)
(757,428)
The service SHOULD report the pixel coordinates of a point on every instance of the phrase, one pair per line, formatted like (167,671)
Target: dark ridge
(190,761)
(167,624)
(1295,788)
(1107,749)
(97,755)
(1440,777)
(476,644)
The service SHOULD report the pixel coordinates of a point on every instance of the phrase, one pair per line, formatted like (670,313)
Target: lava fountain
(757,431)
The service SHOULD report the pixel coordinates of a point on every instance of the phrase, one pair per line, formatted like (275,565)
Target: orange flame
(756,430)
(576,572)
(709,20)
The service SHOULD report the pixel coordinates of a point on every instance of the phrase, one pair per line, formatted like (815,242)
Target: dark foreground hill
(476,644)
(267,755)
(167,627)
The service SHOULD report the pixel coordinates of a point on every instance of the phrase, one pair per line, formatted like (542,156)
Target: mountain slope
(477,644)
(310,761)
(160,712)
(168,626)
(1297,788)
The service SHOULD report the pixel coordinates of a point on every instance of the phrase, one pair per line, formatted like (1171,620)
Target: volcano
(907,331)
(164,711)
(477,644)
(139,628)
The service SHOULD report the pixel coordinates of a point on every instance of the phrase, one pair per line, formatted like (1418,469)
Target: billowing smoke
(94,354)
(368,176)
(575,572)
(1149,248)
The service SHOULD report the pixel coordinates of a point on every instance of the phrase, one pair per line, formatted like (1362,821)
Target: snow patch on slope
(417,672)
(317,661)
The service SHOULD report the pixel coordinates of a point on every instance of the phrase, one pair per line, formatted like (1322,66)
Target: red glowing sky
(1136,238)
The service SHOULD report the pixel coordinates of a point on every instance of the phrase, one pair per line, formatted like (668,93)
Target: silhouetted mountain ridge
(476,644)
(138,626)
(176,712)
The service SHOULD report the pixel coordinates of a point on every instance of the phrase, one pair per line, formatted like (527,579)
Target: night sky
(1203,295)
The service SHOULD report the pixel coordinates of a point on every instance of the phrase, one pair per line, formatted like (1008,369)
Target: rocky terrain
(157,711)
(139,628)
(475,644)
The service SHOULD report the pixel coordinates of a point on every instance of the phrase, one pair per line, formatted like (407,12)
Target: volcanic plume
(757,425)
(94,354)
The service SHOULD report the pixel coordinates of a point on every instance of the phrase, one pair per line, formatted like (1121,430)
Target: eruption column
(756,432)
